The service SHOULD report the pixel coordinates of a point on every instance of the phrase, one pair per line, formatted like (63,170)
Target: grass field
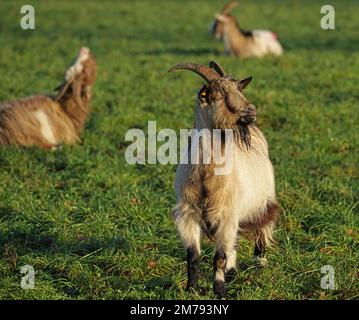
(94,227)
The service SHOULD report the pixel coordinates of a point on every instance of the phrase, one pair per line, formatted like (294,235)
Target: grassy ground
(95,227)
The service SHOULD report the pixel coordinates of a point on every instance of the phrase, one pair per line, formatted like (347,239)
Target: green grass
(95,227)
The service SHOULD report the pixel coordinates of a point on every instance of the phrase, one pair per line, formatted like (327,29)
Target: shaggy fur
(223,206)
(47,121)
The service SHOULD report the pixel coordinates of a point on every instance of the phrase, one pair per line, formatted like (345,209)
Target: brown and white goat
(224,206)
(240,42)
(47,121)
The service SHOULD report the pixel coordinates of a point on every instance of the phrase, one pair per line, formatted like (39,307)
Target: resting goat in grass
(47,121)
(223,206)
(240,42)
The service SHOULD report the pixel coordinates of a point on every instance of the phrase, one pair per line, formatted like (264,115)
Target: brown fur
(65,114)
(262,219)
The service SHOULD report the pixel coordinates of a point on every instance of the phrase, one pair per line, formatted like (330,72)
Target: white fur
(266,43)
(45,127)
(77,66)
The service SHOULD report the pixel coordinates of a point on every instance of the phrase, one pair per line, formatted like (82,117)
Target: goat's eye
(203,93)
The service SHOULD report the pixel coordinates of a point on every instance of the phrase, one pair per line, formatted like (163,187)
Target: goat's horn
(229,6)
(214,65)
(206,73)
(62,89)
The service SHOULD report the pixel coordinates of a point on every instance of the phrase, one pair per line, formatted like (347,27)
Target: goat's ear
(244,82)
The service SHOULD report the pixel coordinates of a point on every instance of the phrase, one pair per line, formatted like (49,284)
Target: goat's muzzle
(249,115)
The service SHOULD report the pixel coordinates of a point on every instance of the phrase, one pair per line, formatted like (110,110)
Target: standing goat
(240,42)
(223,206)
(47,121)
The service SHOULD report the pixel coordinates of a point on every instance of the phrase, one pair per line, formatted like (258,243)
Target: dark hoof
(230,274)
(219,289)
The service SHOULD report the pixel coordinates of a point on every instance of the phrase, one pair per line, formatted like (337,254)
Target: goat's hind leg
(190,232)
(264,238)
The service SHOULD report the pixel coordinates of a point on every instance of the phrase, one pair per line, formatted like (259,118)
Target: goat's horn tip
(173,69)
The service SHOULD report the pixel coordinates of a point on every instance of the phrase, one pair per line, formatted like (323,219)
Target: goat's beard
(242,135)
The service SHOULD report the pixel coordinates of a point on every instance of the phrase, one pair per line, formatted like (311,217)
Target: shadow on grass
(34,238)
(336,43)
(184,51)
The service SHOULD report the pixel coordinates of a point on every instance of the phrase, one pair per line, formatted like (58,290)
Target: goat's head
(221,99)
(80,76)
(218,24)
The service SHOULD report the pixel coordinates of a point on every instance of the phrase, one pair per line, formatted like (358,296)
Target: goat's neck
(77,108)
(201,121)
(233,37)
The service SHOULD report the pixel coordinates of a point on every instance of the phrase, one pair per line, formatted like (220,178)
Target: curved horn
(229,6)
(62,89)
(206,73)
(214,65)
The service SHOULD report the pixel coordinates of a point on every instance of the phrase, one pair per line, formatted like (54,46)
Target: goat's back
(35,121)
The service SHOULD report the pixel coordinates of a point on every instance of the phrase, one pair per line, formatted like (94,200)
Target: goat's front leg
(190,232)
(224,259)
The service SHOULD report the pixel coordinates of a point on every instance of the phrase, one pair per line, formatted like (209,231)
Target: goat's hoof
(219,289)
(261,261)
(230,274)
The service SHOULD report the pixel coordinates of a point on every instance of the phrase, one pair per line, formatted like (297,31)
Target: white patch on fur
(231,260)
(219,276)
(188,228)
(77,66)
(45,127)
(253,181)
(266,43)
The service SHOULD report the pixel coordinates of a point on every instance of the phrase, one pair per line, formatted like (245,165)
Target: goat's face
(83,69)
(80,76)
(216,29)
(225,105)
(224,21)
(221,99)
(218,25)
(89,71)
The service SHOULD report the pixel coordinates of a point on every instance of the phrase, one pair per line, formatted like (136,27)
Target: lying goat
(47,121)
(223,206)
(239,42)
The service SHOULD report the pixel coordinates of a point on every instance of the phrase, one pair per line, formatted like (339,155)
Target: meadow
(95,227)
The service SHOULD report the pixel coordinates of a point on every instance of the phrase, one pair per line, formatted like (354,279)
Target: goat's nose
(249,115)
(251,110)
